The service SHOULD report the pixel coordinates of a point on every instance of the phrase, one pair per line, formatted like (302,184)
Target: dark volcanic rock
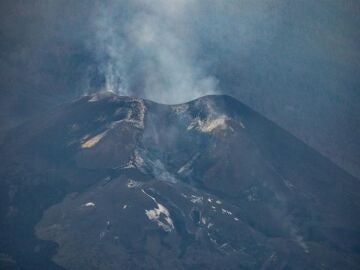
(111,182)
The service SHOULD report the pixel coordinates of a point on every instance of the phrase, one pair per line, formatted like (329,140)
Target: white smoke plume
(150,45)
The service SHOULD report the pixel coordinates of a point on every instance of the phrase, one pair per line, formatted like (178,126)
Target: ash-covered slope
(111,182)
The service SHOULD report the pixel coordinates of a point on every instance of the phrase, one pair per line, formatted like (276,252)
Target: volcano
(112,182)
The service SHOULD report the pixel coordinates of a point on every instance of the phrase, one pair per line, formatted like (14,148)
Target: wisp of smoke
(148,47)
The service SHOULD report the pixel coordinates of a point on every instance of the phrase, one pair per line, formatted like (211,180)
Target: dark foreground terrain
(111,182)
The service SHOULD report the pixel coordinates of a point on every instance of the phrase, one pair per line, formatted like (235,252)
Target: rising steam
(150,45)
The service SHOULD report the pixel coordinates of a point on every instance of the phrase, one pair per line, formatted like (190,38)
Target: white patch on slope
(203,220)
(224,211)
(129,165)
(159,212)
(94,98)
(94,140)
(214,120)
(133,183)
(196,199)
(186,168)
(89,204)
(209,124)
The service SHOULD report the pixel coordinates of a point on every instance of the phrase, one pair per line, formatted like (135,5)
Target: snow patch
(89,204)
(160,215)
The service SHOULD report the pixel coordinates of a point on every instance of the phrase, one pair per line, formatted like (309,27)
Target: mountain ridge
(206,184)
